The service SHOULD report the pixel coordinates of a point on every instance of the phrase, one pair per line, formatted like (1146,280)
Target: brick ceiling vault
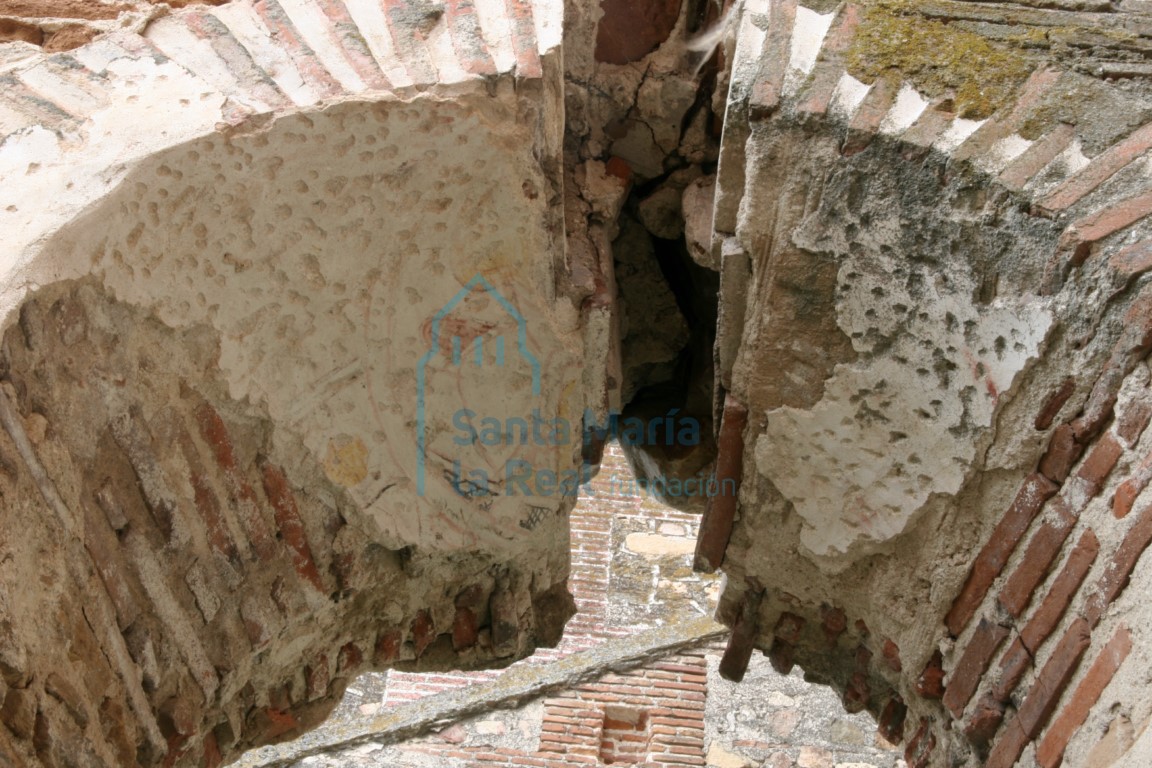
(256,256)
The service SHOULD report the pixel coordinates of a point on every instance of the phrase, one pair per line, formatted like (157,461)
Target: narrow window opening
(624,739)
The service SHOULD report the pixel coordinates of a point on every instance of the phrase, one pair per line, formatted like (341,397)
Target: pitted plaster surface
(320,239)
(371,220)
(111,139)
(904,422)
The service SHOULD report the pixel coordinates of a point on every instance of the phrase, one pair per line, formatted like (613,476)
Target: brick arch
(982,629)
(195,578)
(929,620)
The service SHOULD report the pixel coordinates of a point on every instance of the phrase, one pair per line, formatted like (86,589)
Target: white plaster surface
(848,95)
(319,247)
(906,110)
(807,37)
(750,40)
(1004,152)
(956,133)
(1073,158)
(903,424)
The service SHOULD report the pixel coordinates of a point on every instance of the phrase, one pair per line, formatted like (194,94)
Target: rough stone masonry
(315,315)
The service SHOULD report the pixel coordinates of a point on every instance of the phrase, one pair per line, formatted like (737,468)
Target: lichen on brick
(938,58)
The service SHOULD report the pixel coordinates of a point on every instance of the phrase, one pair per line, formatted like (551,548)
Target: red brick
(353,48)
(716,526)
(1050,752)
(618,167)
(866,122)
(742,641)
(464,630)
(291,526)
(467,43)
(1078,239)
(423,632)
(1008,747)
(1133,259)
(788,627)
(1042,697)
(286,34)
(782,656)
(560,739)
(857,693)
(209,508)
(1119,569)
(681,760)
(1126,494)
(891,656)
(691,669)
(215,433)
(680,749)
(930,684)
(1133,346)
(349,659)
(1060,595)
(834,622)
(1055,402)
(1100,462)
(1015,662)
(891,724)
(918,753)
(203,495)
(388,647)
(1034,159)
(972,665)
(1002,125)
(1038,558)
(270,723)
(629,31)
(1131,488)
(769,85)
(212,757)
(672,708)
(984,722)
(1035,490)
(933,121)
(1053,679)
(679,723)
(1133,420)
(1062,453)
(1100,169)
(829,68)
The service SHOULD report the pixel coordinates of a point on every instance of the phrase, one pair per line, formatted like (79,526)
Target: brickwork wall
(158,558)
(667,699)
(1041,624)
(612,508)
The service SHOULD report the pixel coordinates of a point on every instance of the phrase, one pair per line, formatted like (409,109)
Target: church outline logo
(457,359)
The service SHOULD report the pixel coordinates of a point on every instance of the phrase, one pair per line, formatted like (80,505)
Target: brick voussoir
(1034,492)
(1050,751)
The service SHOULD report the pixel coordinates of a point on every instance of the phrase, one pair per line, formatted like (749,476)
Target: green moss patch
(939,60)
